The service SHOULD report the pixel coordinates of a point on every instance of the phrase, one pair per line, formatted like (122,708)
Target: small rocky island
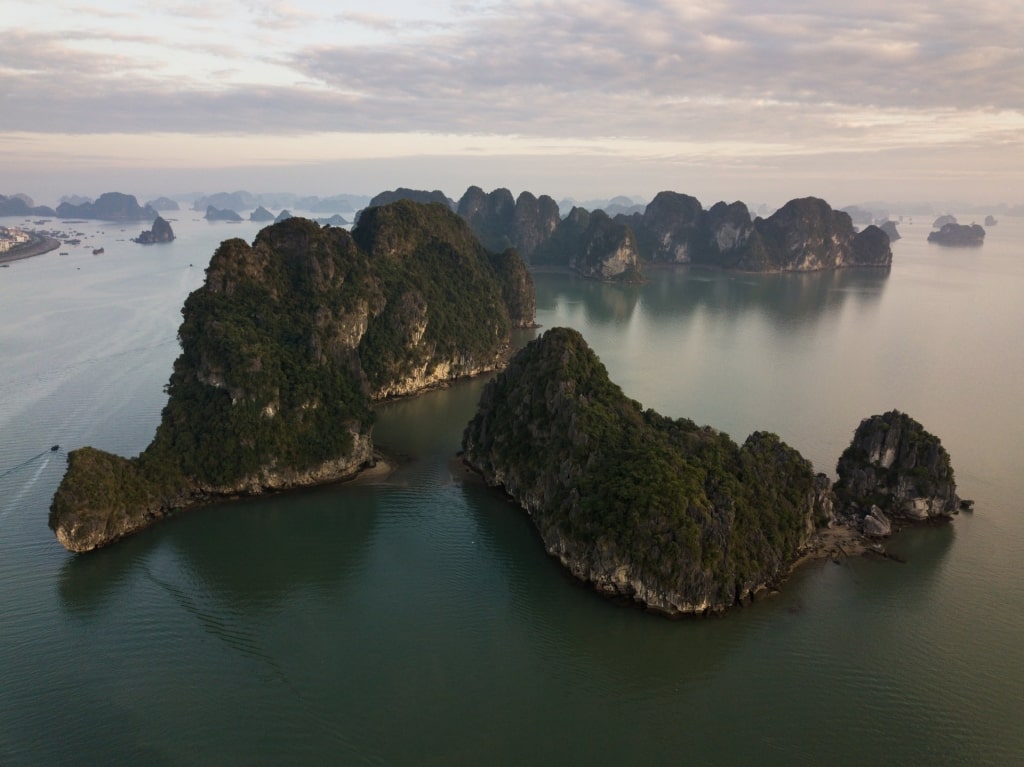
(674,516)
(218,214)
(286,347)
(161,232)
(959,236)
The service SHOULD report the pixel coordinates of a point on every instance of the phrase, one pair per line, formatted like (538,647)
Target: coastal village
(11,238)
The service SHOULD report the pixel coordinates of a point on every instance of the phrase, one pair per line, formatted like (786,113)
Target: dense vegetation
(697,521)
(290,340)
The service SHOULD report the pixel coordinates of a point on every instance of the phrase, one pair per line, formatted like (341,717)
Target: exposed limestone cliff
(895,465)
(607,251)
(592,245)
(161,232)
(285,347)
(536,219)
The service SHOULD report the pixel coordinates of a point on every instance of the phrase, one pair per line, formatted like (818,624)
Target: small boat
(97,251)
(55,448)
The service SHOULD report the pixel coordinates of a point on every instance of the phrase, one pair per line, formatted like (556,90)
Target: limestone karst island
(292,339)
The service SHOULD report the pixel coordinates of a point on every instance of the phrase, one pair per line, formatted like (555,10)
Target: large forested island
(673,515)
(284,349)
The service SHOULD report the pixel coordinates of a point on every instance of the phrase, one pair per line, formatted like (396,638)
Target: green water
(417,620)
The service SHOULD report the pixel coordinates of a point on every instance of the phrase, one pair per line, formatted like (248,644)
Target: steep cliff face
(161,232)
(728,237)
(675,516)
(491,216)
(607,251)
(285,347)
(669,230)
(895,465)
(536,219)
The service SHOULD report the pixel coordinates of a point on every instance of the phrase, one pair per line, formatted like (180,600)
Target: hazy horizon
(722,100)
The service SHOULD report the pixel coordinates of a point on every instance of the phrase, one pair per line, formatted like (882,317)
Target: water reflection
(584,638)
(245,555)
(683,291)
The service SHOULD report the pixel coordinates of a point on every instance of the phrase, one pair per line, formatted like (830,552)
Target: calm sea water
(418,621)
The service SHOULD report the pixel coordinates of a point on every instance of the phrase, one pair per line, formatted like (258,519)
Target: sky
(759,100)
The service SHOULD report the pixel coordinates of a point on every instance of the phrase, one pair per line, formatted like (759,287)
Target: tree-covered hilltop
(285,347)
(672,515)
(676,516)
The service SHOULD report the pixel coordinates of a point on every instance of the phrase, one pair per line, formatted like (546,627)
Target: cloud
(793,75)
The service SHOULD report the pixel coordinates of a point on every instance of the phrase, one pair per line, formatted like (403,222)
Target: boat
(55,448)
(97,251)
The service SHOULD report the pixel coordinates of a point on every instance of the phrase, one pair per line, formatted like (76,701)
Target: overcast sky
(756,100)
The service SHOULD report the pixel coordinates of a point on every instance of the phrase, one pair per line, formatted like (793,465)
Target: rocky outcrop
(284,215)
(808,235)
(941,221)
(726,234)
(285,348)
(216,214)
(261,214)
(110,206)
(895,465)
(959,236)
(161,232)
(889,227)
(607,251)
(990,220)
(593,245)
(492,216)
(669,230)
(525,224)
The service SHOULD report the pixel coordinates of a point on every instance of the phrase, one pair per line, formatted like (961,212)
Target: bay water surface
(417,620)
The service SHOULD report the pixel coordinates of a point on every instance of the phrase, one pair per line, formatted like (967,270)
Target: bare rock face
(895,465)
(607,251)
(491,216)
(728,230)
(536,219)
(669,229)
(161,232)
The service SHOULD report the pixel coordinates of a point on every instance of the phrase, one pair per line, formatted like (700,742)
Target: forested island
(674,516)
(804,235)
(284,350)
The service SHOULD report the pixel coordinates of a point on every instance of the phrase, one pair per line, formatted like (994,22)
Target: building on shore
(10,238)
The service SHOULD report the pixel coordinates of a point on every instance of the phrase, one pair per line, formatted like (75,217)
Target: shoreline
(39,245)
